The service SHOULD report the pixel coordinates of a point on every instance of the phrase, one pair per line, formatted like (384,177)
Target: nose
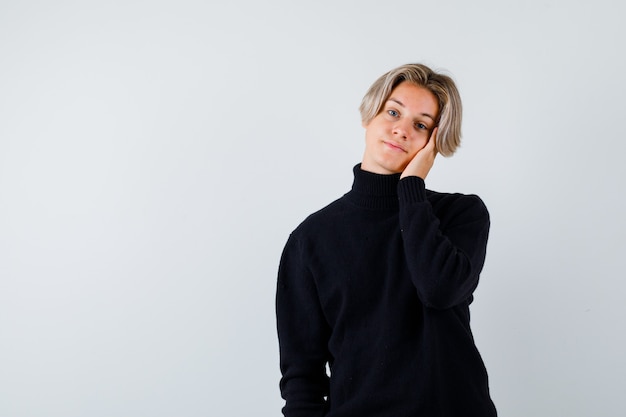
(401,129)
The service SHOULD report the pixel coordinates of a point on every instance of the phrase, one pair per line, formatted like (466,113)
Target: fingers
(431,144)
(423,160)
(432,141)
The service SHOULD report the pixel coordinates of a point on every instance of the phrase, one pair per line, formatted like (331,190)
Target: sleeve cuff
(411,190)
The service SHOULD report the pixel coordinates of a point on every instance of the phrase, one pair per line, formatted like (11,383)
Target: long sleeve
(377,286)
(303,337)
(445,255)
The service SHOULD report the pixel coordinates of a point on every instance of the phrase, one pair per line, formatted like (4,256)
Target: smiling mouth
(394,146)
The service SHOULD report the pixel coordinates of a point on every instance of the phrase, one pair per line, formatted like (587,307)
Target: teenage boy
(377,285)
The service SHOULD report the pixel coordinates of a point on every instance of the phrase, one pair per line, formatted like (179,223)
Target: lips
(394,146)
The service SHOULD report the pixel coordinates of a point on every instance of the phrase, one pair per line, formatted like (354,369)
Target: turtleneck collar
(374,191)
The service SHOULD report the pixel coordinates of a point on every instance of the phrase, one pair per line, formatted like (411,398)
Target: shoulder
(458,207)
(313,231)
(321,219)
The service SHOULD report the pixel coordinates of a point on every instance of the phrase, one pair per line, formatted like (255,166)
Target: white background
(155,155)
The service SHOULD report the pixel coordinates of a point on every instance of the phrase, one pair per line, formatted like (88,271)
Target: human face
(400,130)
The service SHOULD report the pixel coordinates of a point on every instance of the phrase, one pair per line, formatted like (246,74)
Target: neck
(374,191)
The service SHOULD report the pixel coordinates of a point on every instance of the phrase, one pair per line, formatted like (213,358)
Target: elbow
(447,291)
(438,300)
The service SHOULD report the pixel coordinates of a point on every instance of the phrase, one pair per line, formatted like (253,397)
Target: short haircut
(441,85)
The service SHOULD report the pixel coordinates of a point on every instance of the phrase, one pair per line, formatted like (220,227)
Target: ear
(364,124)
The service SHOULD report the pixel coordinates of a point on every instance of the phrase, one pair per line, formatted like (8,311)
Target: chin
(395,168)
(384,166)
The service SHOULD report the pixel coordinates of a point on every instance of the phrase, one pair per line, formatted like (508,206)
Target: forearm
(302,334)
(444,262)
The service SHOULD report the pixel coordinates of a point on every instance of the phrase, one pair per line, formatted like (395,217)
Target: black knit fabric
(378,285)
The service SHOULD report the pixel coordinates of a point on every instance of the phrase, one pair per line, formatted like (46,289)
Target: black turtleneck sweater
(377,285)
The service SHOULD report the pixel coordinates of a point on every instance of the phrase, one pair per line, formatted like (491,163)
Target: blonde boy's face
(401,129)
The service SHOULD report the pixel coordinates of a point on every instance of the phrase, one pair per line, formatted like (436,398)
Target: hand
(423,160)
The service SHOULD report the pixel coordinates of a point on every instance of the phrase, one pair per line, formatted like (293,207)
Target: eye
(421,126)
(393,113)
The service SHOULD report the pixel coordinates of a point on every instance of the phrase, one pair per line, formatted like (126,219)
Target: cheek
(421,142)
(411,155)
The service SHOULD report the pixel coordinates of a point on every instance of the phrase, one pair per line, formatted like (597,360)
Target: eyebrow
(402,104)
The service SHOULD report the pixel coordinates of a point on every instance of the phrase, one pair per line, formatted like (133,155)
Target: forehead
(414,97)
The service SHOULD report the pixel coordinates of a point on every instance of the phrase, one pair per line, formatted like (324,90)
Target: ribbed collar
(374,191)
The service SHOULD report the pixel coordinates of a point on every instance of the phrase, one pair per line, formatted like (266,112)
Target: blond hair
(442,87)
